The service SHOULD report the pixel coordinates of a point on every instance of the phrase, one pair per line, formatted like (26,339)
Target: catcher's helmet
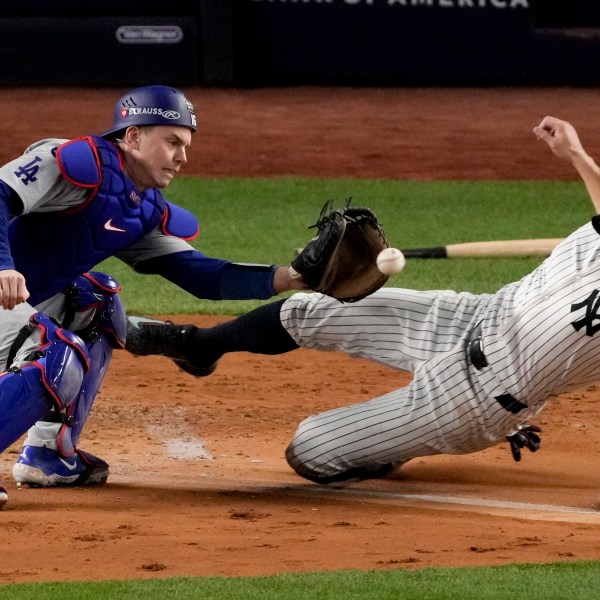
(152,105)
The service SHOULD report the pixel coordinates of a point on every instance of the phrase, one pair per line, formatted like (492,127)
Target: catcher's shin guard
(51,376)
(97,314)
(73,418)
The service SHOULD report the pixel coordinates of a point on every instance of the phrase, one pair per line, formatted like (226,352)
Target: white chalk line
(479,503)
(519,510)
(474,502)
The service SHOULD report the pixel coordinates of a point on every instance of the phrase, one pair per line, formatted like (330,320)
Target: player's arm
(32,182)
(563,140)
(13,289)
(205,276)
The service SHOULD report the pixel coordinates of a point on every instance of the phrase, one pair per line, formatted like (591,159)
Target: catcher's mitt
(341,260)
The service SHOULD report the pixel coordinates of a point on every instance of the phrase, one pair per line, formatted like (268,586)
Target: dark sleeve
(211,278)
(10,206)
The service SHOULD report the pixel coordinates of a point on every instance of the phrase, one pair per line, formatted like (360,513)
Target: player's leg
(397,327)
(50,455)
(197,350)
(47,373)
(437,413)
(393,326)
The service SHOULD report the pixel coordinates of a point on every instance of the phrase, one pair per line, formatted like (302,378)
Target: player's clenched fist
(560,136)
(13,289)
(563,140)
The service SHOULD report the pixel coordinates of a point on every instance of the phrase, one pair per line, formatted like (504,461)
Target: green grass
(558,581)
(263,221)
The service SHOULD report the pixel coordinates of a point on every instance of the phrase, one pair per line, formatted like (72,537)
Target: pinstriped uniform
(538,335)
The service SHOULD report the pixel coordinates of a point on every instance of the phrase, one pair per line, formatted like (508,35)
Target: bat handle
(431,252)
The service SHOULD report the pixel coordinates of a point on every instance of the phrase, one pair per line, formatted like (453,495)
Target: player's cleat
(355,474)
(374,471)
(3,496)
(163,338)
(195,370)
(150,336)
(43,467)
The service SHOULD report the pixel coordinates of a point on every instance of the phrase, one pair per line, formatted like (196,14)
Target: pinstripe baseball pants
(444,409)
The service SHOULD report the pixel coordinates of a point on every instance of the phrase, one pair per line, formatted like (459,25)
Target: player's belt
(478,359)
(475,349)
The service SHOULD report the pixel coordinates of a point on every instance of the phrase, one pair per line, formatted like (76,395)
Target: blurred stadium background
(249,43)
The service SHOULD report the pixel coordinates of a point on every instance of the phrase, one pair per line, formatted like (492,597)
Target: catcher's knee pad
(74,416)
(50,376)
(93,305)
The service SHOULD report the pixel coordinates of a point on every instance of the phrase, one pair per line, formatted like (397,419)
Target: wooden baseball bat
(535,247)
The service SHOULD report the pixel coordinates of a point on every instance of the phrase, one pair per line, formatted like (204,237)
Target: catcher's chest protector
(51,249)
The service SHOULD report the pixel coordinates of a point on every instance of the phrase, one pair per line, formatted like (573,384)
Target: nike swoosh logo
(110,227)
(69,466)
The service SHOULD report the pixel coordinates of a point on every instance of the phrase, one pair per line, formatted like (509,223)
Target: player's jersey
(540,333)
(36,179)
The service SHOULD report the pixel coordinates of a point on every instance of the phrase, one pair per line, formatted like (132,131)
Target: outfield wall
(289,42)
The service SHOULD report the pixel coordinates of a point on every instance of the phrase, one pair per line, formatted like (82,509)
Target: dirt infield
(198,484)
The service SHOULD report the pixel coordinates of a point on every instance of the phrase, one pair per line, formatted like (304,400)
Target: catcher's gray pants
(443,410)
(11,322)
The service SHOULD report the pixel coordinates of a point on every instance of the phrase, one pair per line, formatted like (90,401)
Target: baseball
(390,261)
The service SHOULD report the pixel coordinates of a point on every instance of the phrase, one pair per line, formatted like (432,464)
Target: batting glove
(526,436)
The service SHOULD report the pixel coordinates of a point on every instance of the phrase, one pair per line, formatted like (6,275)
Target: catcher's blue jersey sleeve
(9,206)
(211,278)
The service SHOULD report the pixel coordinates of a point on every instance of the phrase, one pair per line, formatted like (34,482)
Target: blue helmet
(152,105)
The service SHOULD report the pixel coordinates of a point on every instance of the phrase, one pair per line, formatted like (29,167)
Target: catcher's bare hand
(526,436)
(284,280)
(13,290)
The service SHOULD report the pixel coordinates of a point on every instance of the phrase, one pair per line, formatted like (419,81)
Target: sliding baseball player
(482,365)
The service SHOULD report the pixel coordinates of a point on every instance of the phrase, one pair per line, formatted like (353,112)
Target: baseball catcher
(340,261)
(66,205)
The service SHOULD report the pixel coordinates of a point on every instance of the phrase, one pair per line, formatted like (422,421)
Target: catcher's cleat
(163,338)
(3,496)
(43,467)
